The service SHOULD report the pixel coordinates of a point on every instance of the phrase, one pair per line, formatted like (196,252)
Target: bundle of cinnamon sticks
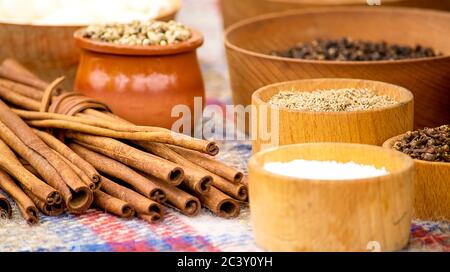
(62,151)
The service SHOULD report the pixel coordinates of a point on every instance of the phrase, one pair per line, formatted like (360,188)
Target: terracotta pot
(141,83)
(48,50)
(251,67)
(234,11)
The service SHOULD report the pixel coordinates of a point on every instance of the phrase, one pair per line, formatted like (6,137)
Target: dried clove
(428,144)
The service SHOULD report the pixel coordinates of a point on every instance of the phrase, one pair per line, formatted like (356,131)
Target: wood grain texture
(432,194)
(234,11)
(290,214)
(364,127)
(249,42)
(49,51)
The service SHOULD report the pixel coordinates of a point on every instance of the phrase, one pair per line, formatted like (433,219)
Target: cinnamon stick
(105,116)
(12,166)
(92,186)
(69,154)
(21,89)
(24,203)
(17,67)
(12,70)
(203,146)
(113,205)
(159,137)
(131,156)
(18,100)
(48,93)
(238,191)
(46,162)
(140,204)
(179,199)
(196,180)
(83,119)
(122,172)
(5,207)
(100,116)
(151,218)
(210,164)
(219,203)
(49,210)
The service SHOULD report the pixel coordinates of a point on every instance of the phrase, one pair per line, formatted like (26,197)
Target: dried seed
(139,33)
(332,100)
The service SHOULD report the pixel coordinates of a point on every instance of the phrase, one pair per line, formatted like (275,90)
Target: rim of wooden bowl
(138,50)
(171,12)
(323,10)
(319,3)
(256,96)
(389,143)
(256,166)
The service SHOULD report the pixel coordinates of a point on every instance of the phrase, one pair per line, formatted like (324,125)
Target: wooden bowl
(141,84)
(432,194)
(234,11)
(296,126)
(48,50)
(249,42)
(292,214)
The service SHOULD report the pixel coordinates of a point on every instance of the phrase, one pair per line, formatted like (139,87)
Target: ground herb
(332,100)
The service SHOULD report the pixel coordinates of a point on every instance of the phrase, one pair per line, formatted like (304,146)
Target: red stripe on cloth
(114,232)
(180,235)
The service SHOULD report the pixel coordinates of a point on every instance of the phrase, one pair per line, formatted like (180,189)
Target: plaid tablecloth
(97,231)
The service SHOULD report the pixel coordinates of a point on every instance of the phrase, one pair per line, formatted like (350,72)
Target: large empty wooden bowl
(432,193)
(249,43)
(290,126)
(293,214)
(47,50)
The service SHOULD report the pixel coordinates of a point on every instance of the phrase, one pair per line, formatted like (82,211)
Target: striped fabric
(98,231)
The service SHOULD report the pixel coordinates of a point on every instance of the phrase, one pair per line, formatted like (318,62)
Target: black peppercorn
(346,49)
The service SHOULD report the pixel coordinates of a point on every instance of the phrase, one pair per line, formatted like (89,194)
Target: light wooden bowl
(364,127)
(249,42)
(291,214)
(47,50)
(432,194)
(234,11)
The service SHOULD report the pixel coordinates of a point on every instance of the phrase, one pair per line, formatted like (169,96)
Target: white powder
(79,12)
(324,170)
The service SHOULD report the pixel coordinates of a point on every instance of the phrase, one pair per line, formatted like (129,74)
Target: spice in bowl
(339,100)
(324,170)
(428,144)
(143,33)
(346,49)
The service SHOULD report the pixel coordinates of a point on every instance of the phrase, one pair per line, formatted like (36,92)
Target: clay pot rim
(408,93)
(324,10)
(389,143)
(138,50)
(169,13)
(255,165)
